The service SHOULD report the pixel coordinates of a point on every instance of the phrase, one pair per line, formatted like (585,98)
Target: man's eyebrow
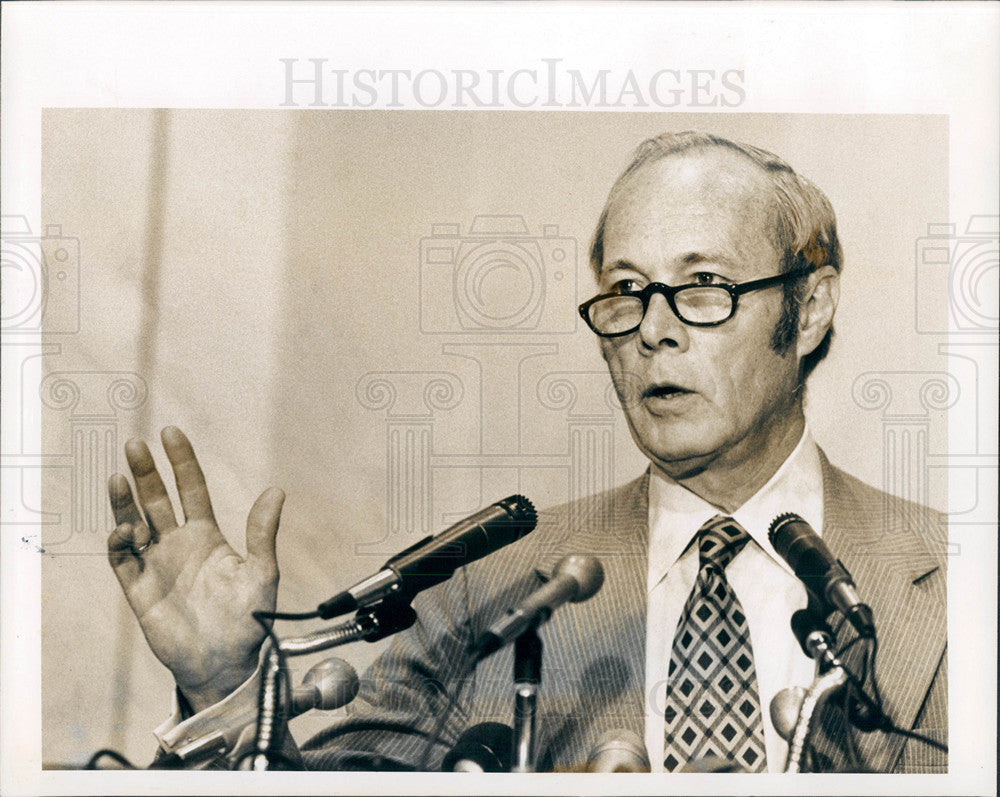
(619,265)
(694,258)
(688,259)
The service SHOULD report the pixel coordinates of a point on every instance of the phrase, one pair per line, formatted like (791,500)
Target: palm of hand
(194,596)
(196,593)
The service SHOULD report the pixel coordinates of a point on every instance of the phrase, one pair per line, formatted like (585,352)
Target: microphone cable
(114,755)
(882,720)
(286,615)
(283,683)
(318,741)
(891,726)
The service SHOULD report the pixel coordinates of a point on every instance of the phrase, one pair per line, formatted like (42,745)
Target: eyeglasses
(614,314)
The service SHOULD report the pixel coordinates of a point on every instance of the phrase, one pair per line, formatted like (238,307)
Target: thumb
(262,529)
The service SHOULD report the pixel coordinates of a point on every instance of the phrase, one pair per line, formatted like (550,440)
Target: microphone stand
(527,677)
(833,676)
(371,624)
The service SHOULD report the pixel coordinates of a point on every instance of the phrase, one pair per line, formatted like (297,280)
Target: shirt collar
(676,513)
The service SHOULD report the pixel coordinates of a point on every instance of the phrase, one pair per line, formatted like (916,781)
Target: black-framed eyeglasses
(614,314)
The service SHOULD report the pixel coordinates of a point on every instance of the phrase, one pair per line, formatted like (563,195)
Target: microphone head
(785,708)
(587,571)
(522,514)
(619,751)
(486,747)
(782,531)
(712,763)
(335,682)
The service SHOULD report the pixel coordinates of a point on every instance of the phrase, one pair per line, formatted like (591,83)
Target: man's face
(699,398)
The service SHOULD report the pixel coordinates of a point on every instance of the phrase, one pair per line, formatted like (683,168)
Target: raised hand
(192,593)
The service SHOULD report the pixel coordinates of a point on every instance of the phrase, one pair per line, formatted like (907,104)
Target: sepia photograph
(535,419)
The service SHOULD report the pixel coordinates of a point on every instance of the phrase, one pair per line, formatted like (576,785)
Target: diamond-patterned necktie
(713,705)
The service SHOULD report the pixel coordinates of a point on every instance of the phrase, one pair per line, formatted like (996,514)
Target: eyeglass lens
(697,305)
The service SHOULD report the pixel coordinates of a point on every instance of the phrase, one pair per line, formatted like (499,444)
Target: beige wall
(256,278)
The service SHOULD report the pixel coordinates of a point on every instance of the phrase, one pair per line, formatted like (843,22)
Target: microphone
(819,570)
(434,559)
(482,748)
(619,751)
(785,708)
(712,763)
(330,684)
(575,579)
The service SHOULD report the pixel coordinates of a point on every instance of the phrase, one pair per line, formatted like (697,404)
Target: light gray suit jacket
(593,675)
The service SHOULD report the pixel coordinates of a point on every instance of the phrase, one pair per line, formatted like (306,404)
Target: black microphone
(434,559)
(819,570)
(486,747)
(575,579)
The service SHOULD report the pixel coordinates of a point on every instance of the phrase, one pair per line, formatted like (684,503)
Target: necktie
(712,705)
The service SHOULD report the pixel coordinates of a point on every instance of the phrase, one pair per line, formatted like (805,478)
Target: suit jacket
(593,676)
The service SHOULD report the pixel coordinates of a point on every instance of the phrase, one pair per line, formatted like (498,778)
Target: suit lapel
(904,583)
(609,629)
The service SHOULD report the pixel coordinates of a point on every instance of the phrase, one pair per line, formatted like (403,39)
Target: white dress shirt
(764,584)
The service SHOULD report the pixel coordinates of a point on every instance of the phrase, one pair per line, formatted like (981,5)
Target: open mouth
(664,391)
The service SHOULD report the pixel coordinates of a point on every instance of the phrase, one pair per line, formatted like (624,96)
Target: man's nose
(661,327)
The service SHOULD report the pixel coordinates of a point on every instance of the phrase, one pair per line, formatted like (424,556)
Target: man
(718,269)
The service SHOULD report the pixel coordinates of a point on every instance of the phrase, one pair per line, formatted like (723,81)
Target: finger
(130,538)
(122,503)
(149,487)
(142,538)
(191,485)
(262,530)
(122,555)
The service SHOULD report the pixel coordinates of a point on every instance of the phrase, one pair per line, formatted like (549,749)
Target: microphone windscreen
(711,763)
(486,747)
(328,685)
(785,708)
(586,571)
(619,751)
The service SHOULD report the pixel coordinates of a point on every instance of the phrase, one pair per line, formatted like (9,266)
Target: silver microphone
(330,684)
(785,708)
(575,579)
(619,751)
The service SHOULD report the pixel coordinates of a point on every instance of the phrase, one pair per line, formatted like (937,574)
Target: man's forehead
(713,174)
(701,205)
(718,196)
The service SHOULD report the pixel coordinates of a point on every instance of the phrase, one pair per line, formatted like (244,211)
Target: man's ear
(817,309)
